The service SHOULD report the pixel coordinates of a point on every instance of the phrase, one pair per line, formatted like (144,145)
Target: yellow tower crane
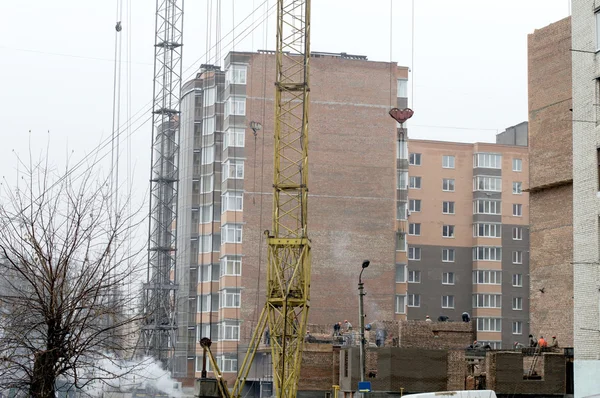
(289,260)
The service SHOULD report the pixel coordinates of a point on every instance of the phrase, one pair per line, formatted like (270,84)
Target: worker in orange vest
(542,343)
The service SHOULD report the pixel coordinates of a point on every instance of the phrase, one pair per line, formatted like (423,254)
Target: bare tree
(63,269)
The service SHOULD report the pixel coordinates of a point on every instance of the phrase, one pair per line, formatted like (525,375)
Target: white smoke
(120,375)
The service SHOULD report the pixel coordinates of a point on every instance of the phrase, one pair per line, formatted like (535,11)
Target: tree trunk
(44,380)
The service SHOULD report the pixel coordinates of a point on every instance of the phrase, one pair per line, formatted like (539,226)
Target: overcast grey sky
(470,65)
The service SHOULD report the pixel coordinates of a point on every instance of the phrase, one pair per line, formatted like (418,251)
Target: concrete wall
(550,181)
(436,335)
(515,135)
(586,277)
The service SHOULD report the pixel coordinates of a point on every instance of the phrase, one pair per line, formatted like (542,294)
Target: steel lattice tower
(289,261)
(158,331)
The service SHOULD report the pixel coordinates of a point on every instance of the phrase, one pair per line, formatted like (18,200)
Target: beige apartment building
(467,235)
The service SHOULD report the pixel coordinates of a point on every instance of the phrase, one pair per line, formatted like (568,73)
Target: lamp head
(365,264)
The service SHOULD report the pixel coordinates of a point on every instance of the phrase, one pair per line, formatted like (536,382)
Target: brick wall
(551,173)
(505,372)
(436,335)
(457,370)
(320,367)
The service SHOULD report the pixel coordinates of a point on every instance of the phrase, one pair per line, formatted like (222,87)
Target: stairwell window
(517,164)
(517,327)
(402,150)
(517,280)
(400,273)
(402,179)
(517,233)
(517,209)
(401,212)
(400,304)
(400,241)
(402,89)
(517,187)
(517,257)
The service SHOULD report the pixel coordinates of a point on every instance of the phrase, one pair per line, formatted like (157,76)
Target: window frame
(448,185)
(235,263)
(447,204)
(497,250)
(448,299)
(517,280)
(517,233)
(484,324)
(234,197)
(448,278)
(414,250)
(414,276)
(517,327)
(403,273)
(517,188)
(517,303)
(446,255)
(448,231)
(238,233)
(402,88)
(397,303)
(487,227)
(230,294)
(414,202)
(484,206)
(517,257)
(416,300)
(414,229)
(239,138)
(448,161)
(414,159)
(517,164)
(233,169)
(414,182)
(517,210)
(483,183)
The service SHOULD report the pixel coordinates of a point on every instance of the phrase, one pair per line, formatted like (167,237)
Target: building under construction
(225,197)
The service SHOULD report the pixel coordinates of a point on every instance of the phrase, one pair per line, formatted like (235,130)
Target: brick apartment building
(585,42)
(225,198)
(468,235)
(551,181)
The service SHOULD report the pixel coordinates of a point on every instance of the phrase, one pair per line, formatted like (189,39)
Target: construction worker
(542,343)
(427,318)
(348,326)
(466,317)
(518,345)
(532,341)
(554,343)
(336,329)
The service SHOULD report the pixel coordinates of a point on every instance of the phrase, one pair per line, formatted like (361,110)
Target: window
(401,210)
(236,74)
(487,301)
(486,253)
(414,276)
(206,183)
(414,205)
(208,126)
(517,327)
(485,277)
(483,183)
(232,201)
(487,230)
(414,253)
(400,304)
(448,184)
(402,179)
(231,265)
(228,364)
(448,255)
(210,95)
(414,300)
(448,231)
(448,207)
(205,214)
(517,280)
(234,138)
(231,233)
(203,303)
(489,324)
(517,187)
(230,298)
(448,162)
(415,183)
(233,169)
(414,229)
(402,150)
(517,303)
(229,330)
(205,245)
(517,209)
(401,241)
(487,160)
(517,257)
(517,233)
(235,106)
(208,154)
(517,164)
(447,301)
(400,273)
(448,278)
(414,159)
(484,206)
(402,88)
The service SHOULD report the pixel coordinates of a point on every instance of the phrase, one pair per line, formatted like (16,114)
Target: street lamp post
(361,317)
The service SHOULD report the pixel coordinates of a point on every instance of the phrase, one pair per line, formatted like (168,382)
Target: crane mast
(158,330)
(289,259)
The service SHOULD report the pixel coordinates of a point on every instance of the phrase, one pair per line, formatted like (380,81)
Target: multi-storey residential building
(225,198)
(585,30)
(468,236)
(551,182)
